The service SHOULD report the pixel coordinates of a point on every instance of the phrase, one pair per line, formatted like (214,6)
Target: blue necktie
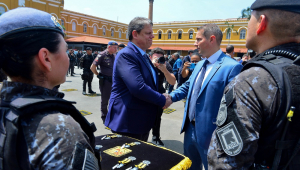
(197,88)
(152,70)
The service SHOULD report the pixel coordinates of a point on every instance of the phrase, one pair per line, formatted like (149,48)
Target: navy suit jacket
(134,99)
(209,97)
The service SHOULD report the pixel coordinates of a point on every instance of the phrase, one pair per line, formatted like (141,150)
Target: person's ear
(212,38)
(134,33)
(262,24)
(44,58)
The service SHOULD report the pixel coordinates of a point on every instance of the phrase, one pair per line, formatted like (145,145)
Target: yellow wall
(80,19)
(53,7)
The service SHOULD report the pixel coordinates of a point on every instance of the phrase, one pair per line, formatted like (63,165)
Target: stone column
(150,16)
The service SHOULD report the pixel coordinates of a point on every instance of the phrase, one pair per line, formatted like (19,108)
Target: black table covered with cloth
(160,158)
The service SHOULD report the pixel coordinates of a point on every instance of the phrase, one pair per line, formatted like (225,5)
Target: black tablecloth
(160,158)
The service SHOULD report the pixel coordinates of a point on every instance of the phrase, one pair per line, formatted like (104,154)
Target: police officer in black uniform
(259,118)
(79,55)
(39,129)
(105,60)
(87,76)
(72,62)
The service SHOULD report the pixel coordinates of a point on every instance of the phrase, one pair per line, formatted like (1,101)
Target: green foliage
(230,28)
(246,13)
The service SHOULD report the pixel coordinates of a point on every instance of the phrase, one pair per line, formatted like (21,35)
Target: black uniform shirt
(161,77)
(106,62)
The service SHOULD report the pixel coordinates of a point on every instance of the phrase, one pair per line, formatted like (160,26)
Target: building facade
(180,36)
(171,36)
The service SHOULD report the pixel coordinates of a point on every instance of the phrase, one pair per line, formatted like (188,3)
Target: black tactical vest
(10,128)
(284,67)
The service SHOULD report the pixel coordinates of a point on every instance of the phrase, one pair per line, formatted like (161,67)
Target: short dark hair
(137,23)
(229,49)
(282,24)
(17,51)
(157,50)
(212,29)
(190,51)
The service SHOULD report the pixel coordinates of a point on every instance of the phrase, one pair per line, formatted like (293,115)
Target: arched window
(104,31)
(127,36)
(95,29)
(2,10)
(179,34)
(159,35)
(120,34)
(243,34)
(169,35)
(73,26)
(62,21)
(84,28)
(228,35)
(191,33)
(112,32)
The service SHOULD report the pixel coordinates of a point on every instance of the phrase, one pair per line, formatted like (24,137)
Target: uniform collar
(13,90)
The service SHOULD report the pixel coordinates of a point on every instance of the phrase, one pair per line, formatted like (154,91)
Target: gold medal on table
(124,162)
(141,165)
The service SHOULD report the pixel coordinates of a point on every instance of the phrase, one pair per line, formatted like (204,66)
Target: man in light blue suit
(204,91)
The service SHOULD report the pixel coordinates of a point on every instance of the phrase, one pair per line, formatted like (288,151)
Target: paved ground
(170,125)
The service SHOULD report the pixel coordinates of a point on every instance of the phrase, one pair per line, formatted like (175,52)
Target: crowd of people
(240,113)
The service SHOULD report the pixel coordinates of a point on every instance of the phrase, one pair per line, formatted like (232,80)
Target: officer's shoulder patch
(222,114)
(230,139)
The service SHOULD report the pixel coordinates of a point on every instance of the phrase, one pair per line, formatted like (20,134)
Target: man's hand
(168,100)
(161,67)
(186,65)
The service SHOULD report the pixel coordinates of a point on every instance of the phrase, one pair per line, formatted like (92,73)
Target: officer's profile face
(112,49)
(89,52)
(59,64)
(251,33)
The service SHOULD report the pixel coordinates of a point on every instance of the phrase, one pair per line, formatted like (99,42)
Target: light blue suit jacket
(209,97)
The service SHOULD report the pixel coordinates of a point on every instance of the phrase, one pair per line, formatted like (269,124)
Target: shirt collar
(140,50)
(213,58)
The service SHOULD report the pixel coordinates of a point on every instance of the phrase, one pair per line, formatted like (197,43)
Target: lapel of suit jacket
(145,62)
(212,72)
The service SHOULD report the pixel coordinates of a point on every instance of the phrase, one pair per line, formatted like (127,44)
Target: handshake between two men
(168,100)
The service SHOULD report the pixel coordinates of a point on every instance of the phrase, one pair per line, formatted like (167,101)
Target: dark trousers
(88,81)
(143,137)
(71,68)
(105,90)
(156,127)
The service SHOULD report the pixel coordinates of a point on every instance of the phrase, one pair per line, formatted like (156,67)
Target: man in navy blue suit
(135,100)
(204,91)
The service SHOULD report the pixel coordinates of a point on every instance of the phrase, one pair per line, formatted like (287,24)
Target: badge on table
(124,162)
(111,136)
(230,139)
(117,151)
(141,165)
